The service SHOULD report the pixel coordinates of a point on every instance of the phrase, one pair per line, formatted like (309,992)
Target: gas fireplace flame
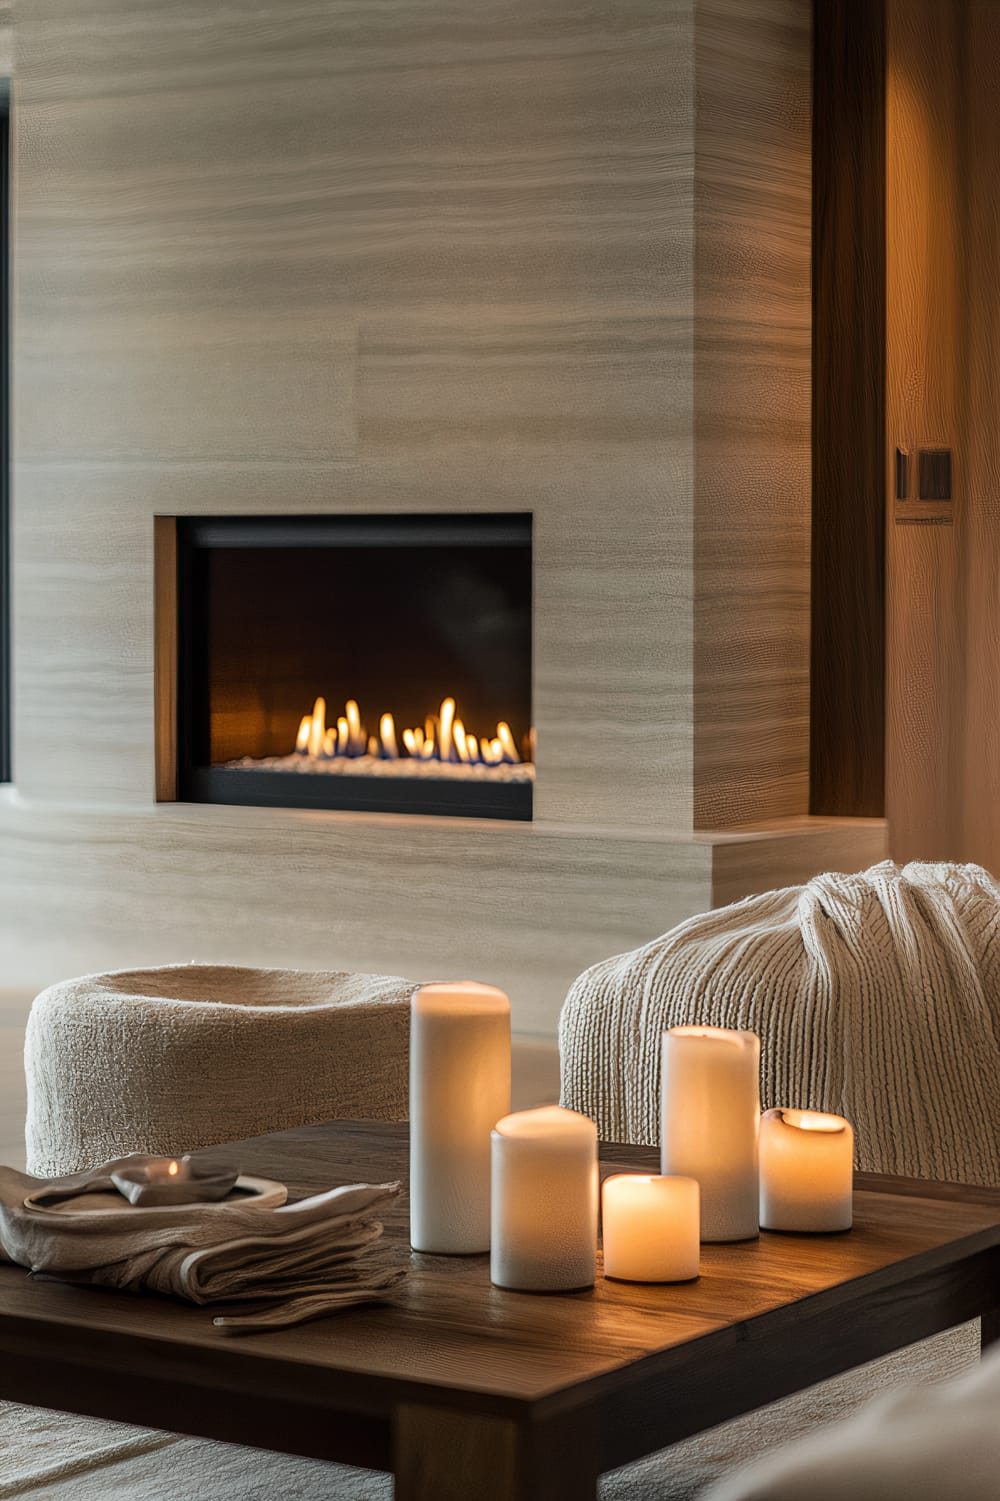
(442,737)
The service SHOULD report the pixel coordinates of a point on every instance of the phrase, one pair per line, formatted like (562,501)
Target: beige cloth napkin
(290,1262)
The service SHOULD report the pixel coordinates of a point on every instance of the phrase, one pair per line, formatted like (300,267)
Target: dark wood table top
(616,1372)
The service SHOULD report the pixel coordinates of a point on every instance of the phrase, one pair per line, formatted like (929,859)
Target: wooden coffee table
(466,1391)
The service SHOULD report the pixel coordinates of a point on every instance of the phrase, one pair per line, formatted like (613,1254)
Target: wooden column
(847,725)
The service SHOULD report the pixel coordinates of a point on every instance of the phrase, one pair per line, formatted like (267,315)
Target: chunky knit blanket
(875,995)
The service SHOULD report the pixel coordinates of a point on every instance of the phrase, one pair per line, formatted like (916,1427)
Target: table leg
(989,1330)
(440,1454)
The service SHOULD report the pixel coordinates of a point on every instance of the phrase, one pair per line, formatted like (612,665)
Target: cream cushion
(918,1443)
(169,1060)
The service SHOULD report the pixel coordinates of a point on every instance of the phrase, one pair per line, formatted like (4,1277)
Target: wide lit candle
(806,1171)
(459,1089)
(651,1228)
(710,1121)
(545,1190)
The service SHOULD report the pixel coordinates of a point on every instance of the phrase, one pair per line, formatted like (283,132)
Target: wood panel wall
(944,603)
(907,340)
(926,679)
(979,359)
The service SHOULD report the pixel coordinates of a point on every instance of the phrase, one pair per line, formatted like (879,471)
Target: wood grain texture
(847,678)
(752,417)
(791,852)
(925,168)
(389,895)
(439,1455)
(524,907)
(438,257)
(305,257)
(977,665)
(633,1367)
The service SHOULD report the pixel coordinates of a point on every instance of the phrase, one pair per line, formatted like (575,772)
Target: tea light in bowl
(148,1182)
(545,1188)
(806,1171)
(652,1228)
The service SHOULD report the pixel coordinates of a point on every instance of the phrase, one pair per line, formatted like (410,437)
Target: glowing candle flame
(812,1120)
(173,1168)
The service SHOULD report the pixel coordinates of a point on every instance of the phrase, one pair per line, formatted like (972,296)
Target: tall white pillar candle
(459,1089)
(806,1171)
(545,1189)
(710,1121)
(651,1228)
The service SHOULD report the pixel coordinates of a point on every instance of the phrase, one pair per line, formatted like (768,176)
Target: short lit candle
(652,1228)
(459,1089)
(545,1190)
(151,1181)
(806,1171)
(711,1116)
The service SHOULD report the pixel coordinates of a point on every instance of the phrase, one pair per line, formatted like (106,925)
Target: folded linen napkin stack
(287,1262)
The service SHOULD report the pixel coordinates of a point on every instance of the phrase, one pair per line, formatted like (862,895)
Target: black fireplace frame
(430,796)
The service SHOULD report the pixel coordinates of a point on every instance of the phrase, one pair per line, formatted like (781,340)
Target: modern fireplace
(378,663)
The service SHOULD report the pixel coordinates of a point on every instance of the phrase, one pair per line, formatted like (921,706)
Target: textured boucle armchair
(169,1060)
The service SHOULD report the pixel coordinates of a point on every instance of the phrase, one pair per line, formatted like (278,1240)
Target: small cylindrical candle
(806,1171)
(545,1190)
(459,1089)
(652,1228)
(710,1121)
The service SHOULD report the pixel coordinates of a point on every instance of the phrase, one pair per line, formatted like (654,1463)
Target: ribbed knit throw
(875,995)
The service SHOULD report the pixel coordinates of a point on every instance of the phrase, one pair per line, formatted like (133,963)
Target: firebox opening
(379,663)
